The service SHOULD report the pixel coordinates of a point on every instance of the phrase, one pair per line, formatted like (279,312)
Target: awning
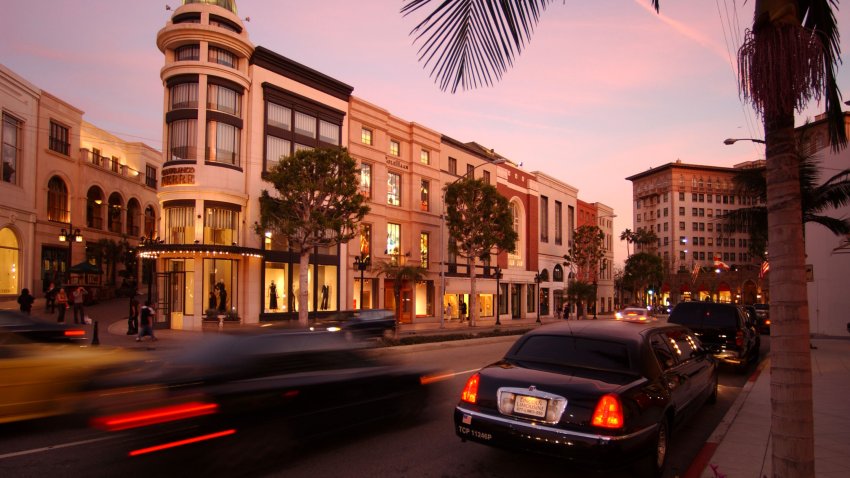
(684,288)
(665,288)
(723,287)
(702,287)
(85,268)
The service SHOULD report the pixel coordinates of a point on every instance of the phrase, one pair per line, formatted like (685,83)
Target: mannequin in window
(222,297)
(273,296)
(325,291)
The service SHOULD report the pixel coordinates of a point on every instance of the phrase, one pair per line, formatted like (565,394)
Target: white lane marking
(52,447)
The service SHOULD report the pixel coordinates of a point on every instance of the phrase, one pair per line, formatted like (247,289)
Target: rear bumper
(586,448)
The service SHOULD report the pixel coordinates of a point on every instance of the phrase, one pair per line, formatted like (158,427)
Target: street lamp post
(498,274)
(595,298)
(70,235)
(361,263)
(729,141)
(443,264)
(537,294)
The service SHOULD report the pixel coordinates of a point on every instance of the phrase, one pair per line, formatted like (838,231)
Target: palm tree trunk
(792,422)
(303,292)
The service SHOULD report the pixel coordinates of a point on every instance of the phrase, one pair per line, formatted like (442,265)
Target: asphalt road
(427,448)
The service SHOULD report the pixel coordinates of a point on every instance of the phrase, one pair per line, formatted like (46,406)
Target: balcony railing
(113,165)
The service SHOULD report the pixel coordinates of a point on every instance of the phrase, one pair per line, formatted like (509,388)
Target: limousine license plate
(536,407)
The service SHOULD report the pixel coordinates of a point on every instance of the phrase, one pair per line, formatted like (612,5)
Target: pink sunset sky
(606,89)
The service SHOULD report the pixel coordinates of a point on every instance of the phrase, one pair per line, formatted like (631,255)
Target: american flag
(765,267)
(720,264)
(695,272)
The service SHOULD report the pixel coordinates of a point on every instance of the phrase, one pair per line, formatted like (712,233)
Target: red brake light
(608,413)
(153,416)
(470,390)
(739,338)
(75,333)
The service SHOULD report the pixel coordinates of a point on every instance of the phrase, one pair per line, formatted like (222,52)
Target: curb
(700,463)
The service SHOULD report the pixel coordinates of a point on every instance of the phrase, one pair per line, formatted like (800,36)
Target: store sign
(397,164)
(177,176)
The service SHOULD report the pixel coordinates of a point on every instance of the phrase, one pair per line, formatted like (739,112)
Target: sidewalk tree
(111,253)
(580,293)
(645,239)
(400,274)
(587,251)
(629,236)
(788,59)
(643,269)
(315,203)
(479,222)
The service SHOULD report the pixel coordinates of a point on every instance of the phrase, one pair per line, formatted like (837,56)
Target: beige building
(62,174)
(702,257)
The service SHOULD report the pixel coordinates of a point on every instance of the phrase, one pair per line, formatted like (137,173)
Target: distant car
(599,393)
(634,313)
(238,399)
(361,324)
(763,314)
(14,325)
(725,329)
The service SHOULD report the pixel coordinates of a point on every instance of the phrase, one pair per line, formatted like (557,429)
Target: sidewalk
(741,446)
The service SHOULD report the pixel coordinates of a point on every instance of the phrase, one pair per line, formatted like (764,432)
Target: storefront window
(221,225)
(326,288)
(220,285)
(275,298)
(424,299)
(368,293)
(9,262)
(180,224)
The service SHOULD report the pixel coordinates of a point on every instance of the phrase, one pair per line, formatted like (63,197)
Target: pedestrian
(222,298)
(79,299)
(462,311)
(61,304)
(566,311)
(449,311)
(133,318)
(146,317)
(25,300)
(50,298)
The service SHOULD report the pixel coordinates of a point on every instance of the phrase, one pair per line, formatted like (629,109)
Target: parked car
(15,326)
(361,324)
(599,393)
(725,329)
(236,399)
(763,314)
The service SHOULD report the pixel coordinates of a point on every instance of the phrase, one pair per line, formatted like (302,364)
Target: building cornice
(274,62)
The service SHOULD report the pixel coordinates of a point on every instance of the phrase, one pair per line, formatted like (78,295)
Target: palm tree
(817,198)
(788,58)
(629,237)
(399,274)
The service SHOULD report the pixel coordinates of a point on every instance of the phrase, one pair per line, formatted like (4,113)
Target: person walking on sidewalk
(462,311)
(50,298)
(79,298)
(25,300)
(146,316)
(133,317)
(61,304)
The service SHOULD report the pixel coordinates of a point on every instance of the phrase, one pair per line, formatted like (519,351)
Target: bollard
(95,339)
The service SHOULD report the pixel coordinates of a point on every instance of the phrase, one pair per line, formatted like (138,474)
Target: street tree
(479,223)
(580,293)
(643,269)
(400,274)
(629,236)
(111,253)
(645,239)
(587,251)
(817,199)
(788,59)
(315,203)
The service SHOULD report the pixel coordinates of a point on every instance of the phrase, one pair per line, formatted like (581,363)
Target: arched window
(115,212)
(150,222)
(94,208)
(134,211)
(57,200)
(9,261)
(515,259)
(558,273)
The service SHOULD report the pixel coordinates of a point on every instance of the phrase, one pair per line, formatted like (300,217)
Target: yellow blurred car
(40,380)
(636,314)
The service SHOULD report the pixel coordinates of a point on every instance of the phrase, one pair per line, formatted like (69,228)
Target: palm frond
(839,227)
(472,43)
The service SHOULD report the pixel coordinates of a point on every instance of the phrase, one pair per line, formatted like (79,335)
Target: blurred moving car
(725,329)
(603,393)
(239,399)
(15,325)
(763,315)
(361,324)
(41,380)
(633,313)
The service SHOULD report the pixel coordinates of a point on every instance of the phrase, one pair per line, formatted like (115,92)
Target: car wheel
(653,465)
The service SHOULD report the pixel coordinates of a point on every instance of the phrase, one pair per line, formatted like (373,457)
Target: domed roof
(226,4)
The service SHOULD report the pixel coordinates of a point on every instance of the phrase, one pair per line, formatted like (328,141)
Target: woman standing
(61,304)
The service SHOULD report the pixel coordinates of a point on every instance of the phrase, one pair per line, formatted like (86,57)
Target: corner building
(232,109)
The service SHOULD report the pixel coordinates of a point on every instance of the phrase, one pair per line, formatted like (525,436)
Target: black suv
(724,329)
(763,314)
